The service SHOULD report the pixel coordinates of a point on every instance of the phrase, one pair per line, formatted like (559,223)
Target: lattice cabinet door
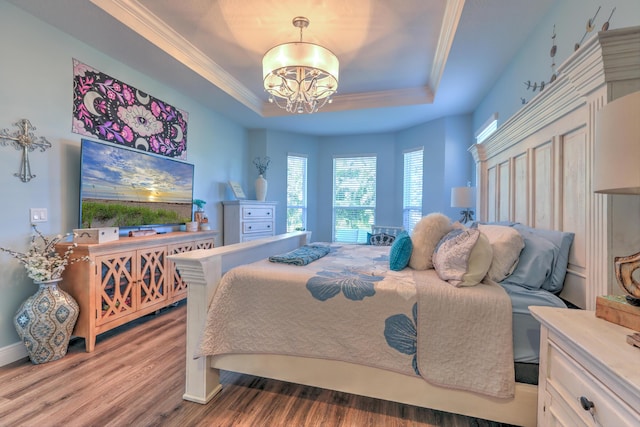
(178,287)
(116,291)
(152,279)
(205,244)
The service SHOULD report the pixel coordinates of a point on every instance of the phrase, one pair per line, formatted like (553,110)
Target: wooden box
(615,309)
(96,235)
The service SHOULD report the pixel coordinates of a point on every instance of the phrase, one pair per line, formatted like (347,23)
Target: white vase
(261,189)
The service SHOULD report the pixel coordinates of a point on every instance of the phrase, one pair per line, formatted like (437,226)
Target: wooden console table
(127,279)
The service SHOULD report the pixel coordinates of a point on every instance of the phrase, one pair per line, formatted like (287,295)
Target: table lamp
(617,170)
(464,197)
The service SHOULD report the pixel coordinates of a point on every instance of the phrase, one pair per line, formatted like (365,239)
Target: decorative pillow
(381,239)
(536,262)
(561,241)
(463,257)
(507,243)
(400,251)
(425,236)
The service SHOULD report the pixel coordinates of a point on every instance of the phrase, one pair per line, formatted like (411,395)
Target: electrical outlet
(38,215)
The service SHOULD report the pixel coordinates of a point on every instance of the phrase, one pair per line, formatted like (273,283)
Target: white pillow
(463,257)
(425,236)
(507,243)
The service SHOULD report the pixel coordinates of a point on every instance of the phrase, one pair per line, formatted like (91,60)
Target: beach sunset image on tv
(127,188)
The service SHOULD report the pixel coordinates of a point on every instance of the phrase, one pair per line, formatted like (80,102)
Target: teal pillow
(400,251)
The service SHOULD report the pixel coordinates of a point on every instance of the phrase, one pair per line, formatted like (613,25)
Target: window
(354,198)
(296,192)
(489,127)
(412,189)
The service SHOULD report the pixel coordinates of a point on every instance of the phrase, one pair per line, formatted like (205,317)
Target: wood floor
(135,377)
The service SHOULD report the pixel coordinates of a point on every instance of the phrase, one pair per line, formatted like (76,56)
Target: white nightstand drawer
(257,212)
(257,227)
(569,382)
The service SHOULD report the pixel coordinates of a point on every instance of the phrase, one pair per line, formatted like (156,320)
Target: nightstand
(589,375)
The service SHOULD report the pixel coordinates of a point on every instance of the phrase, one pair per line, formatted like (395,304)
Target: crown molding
(141,20)
(364,100)
(450,21)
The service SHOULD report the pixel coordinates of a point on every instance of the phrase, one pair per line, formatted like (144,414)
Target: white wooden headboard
(536,168)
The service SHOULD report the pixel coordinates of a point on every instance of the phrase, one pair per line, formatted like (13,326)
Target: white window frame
(488,128)
(301,207)
(359,234)
(412,205)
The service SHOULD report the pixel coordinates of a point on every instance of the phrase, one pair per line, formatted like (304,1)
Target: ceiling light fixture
(300,77)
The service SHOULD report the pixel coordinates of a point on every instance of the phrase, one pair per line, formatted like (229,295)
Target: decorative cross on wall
(25,140)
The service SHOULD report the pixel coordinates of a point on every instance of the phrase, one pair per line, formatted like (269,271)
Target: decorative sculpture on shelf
(539,86)
(589,28)
(591,25)
(24,139)
(552,53)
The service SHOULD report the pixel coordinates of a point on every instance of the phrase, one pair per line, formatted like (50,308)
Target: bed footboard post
(202,270)
(202,276)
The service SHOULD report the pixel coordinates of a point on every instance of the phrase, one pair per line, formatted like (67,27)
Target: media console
(127,278)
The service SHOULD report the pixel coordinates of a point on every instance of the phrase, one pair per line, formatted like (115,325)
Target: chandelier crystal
(300,77)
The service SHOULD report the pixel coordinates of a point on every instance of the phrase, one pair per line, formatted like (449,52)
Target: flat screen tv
(126,188)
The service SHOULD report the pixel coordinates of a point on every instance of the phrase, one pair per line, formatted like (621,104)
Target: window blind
(296,192)
(354,198)
(412,188)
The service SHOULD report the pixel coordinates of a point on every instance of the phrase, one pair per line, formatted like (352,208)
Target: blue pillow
(561,240)
(400,251)
(535,265)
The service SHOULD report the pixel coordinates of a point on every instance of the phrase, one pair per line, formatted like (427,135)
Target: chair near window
(386,229)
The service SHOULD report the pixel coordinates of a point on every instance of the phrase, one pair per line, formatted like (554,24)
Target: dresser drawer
(254,236)
(257,227)
(567,382)
(257,212)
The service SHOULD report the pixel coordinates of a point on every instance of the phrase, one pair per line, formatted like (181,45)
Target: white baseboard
(13,352)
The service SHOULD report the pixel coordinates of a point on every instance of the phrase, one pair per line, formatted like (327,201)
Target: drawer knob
(587,405)
(268,226)
(249,227)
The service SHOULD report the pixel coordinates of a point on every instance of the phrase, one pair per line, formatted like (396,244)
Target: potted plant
(262,164)
(199,215)
(46,319)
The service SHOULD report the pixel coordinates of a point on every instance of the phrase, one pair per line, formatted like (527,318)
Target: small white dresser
(589,375)
(246,220)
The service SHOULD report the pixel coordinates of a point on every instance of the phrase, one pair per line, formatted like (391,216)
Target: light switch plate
(38,215)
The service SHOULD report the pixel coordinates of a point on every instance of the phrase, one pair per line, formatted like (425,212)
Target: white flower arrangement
(41,261)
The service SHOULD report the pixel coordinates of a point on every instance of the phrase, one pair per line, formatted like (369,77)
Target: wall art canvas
(114,111)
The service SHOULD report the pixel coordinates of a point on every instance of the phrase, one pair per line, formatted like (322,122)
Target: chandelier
(300,77)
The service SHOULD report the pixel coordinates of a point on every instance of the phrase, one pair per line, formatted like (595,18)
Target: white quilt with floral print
(346,306)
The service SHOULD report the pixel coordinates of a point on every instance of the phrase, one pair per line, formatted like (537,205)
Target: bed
(536,170)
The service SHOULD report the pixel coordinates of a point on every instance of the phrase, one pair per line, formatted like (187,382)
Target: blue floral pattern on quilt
(401,334)
(355,286)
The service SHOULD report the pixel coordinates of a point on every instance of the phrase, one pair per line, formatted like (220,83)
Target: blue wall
(533,61)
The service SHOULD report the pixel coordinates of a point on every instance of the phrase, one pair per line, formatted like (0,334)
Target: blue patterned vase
(45,321)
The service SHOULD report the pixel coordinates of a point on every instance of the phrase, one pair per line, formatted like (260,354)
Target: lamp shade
(463,197)
(617,147)
(301,55)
